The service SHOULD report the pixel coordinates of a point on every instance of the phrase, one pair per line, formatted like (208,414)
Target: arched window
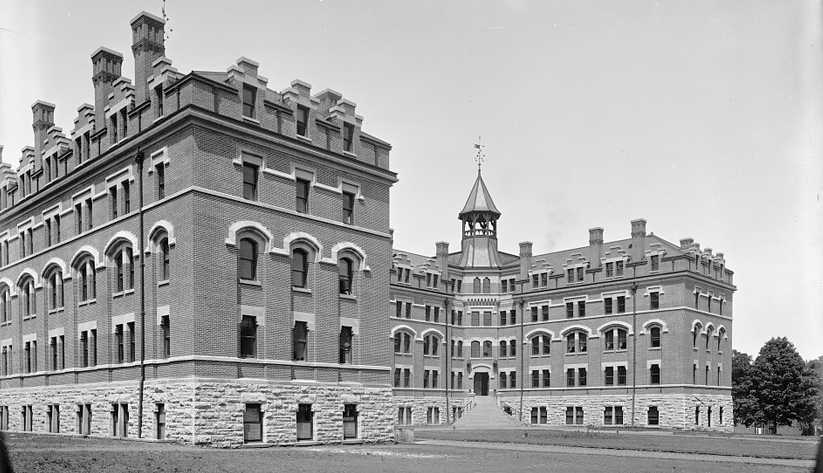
(55,289)
(299,267)
(477,285)
(487,349)
(720,334)
(576,342)
(29,301)
(503,349)
(88,279)
(5,304)
(615,339)
(124,264)
(475,349)
(402,342)
(541,345)
(460,348)
(696,333)
(430,345)
(345,277)
(487,285)
(164,259)
(513,348)
(654,333)
(248,259)
(709,331)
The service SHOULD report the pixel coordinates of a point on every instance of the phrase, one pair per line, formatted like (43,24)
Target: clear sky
(702,117)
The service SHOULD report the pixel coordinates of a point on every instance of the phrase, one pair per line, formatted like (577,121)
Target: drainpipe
(448,375)
(139,160)
(634,347)
(521,350)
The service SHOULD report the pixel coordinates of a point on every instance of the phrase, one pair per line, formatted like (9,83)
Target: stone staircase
(485,415)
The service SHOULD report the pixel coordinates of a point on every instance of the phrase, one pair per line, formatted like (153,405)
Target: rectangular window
(608,415)
(54,418)
(570,377)
(249,96)
(503,317)
(48,232)
(160,172)
(348,208)
(350,421)
(160,421)
(580,274)
(608,305)
(165,326)
(113,128)
(302,196)
(621,304)
(252,423)
(125,119)
(513,379)
(248,337)
(534,415)
(569,415)
(397,377)
(544,279)
(655,261)
(406,377)
(249,181)
(535,378)
(545,310)
(84,345)
(581,376)
(158,97)
(408,310)
(132,345)
(475,319)
(609,376)
(618,415)
(621,375)
(78,218)
(89,214)
(302,120)
(504,286)
(609,270)
(487,319)
(654,300)
(119,343)
(581,308)
(547,379)
(535,280)
(654,373)
(513,319)
(569,310)
(57,228)
(348,137)
(618,268)
(126,198)
(534,314)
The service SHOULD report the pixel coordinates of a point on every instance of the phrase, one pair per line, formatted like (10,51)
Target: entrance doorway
(481,384)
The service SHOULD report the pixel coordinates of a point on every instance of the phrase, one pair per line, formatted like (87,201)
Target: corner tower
(479,217)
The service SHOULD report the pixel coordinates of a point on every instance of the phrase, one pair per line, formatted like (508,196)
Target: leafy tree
(743,399)
(785,390)
(815,367)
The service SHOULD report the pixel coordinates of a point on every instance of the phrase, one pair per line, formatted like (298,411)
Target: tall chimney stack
(525,259)
(147,33)
(596,244)
(42,120)
(638,240)
(443,259)
(106,66)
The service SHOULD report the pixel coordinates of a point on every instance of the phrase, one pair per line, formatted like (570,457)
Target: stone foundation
(420,407)
(675,411)
(210,412)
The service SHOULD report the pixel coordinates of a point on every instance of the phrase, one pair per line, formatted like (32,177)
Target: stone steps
(485,414)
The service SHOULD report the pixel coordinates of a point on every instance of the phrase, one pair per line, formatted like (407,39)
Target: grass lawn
(747,446)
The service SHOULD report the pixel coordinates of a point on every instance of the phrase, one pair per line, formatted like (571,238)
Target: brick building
(565,338)
(251,299)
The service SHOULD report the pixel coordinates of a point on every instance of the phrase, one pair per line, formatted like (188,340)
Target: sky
(704,118)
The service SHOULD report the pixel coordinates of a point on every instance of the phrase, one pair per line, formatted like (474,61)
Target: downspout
(139,159)
(521,350)
(448,374)
(634,347)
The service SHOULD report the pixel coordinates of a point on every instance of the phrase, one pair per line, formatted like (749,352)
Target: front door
(481,384)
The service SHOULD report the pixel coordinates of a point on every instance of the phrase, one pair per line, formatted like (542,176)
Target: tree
(743,399)
(816,368)
(781,384)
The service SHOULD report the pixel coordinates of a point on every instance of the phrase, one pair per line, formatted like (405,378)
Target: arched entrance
(482,379)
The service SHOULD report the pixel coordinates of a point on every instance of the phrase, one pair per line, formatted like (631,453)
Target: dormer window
(158,95)
(113,129)
(348,137)
(655,262)
(249,96)
(302,120)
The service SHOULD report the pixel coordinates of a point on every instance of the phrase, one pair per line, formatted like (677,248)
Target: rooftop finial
(480,155)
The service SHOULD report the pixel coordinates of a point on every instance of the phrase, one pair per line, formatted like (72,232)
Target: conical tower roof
(479,201)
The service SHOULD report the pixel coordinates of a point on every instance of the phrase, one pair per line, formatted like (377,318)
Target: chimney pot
(686,243)
(638,239)
(148,44)
(106,65)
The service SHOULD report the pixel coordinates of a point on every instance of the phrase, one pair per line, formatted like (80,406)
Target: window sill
(303,137)
(348,297)
(301,290)
(29,317)
(5,324)
(654,348)
(55,311)
(249,282)
(162,283)
(251,120)
(349,154)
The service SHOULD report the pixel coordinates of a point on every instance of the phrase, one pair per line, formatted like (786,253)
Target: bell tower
(479,224)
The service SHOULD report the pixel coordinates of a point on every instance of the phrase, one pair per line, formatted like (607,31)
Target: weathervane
(480,155)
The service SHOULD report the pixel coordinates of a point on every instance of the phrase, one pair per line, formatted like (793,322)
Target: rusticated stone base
(210,412)
(675,411)
(420,410)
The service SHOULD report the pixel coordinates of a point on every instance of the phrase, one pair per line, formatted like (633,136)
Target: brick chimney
(686,243)
(525,259)
(638,240)
(443,259)
(147,44)
(42,120)
(106,66)
(596,246)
